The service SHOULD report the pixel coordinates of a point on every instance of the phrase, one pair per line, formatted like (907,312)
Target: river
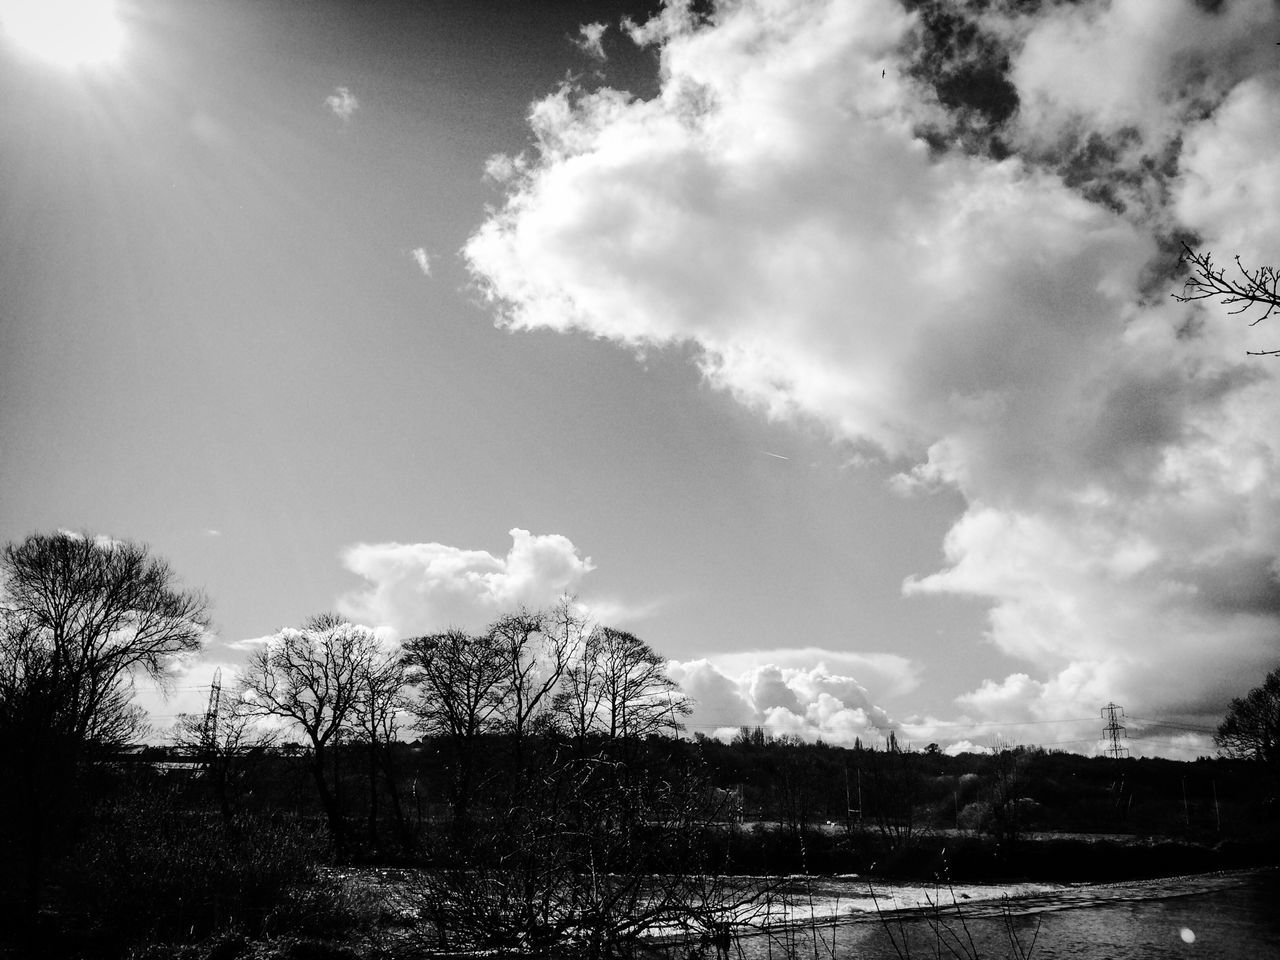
(1208,917)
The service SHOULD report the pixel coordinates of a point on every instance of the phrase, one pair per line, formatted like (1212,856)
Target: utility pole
(1114,730)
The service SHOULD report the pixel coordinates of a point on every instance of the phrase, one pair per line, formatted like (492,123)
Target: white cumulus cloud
(979,316)
(813,703)
(423,587)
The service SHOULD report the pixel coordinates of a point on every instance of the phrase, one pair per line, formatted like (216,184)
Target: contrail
(778,455)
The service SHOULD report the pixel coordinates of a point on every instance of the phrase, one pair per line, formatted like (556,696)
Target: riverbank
(378,913)
(787,907)
(958,856)
(807,900)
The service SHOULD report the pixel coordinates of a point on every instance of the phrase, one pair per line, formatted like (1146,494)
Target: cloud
(103,540)
(423,587)
(995,320)
(502,168)
(1229,184)
(590,40)
(890,673)
(250,643)
(1144,66)
(185,689)
(422,259)
(813,703)
(965,746)
(342,102)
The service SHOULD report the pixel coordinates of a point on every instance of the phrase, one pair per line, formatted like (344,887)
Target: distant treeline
(534,775)
(794,785)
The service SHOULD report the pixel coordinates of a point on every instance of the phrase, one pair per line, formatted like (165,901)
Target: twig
(1259,287)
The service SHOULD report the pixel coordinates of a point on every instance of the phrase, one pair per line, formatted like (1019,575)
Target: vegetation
(549,801)
(1244,289)
(81,616)
(1251,729)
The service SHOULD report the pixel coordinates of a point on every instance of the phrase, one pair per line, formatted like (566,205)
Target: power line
(1175,725)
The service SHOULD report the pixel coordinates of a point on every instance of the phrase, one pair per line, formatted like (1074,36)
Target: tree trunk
(332,812)
(221,778)
(373,793)
(393,791)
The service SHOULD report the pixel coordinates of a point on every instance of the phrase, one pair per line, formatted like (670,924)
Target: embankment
(1047,857)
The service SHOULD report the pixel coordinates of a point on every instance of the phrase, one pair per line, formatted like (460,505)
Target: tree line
(529,768)
(539,723)
(528,675)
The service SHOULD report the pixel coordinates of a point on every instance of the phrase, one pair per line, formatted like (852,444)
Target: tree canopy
(1252,726)
(81,617)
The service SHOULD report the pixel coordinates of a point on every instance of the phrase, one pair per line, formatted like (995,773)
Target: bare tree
(1252,725)
(578,702)
(637,698)
(314,679)
(1259,287)
(377,716)
(459,682)
(892,794)
(80,618)
(600,854)
(227,740)
(537,648)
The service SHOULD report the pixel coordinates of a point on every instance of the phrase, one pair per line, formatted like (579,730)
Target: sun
(69,33)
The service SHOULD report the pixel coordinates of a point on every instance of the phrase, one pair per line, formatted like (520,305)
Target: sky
(826,345)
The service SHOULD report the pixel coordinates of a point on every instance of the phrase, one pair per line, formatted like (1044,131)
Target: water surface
(1210,917)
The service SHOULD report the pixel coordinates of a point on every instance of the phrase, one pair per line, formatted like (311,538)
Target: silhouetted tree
(314,678)
(458,679)
(80,618)
(1252,725)
(893,792)
(228,742)
(379,706)
(637,698)
(537,648)
(577,703)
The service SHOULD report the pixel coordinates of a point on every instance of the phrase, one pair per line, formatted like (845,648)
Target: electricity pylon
(209,729)
(1114,730)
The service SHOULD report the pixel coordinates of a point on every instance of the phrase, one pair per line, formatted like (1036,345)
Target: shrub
(148,870)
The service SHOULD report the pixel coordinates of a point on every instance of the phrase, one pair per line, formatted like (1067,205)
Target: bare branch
(1251,728)
(1259,288)
(81,616)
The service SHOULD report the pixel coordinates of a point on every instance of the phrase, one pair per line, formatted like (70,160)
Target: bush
(148,870)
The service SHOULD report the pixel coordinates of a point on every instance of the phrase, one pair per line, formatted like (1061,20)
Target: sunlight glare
(69,33)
